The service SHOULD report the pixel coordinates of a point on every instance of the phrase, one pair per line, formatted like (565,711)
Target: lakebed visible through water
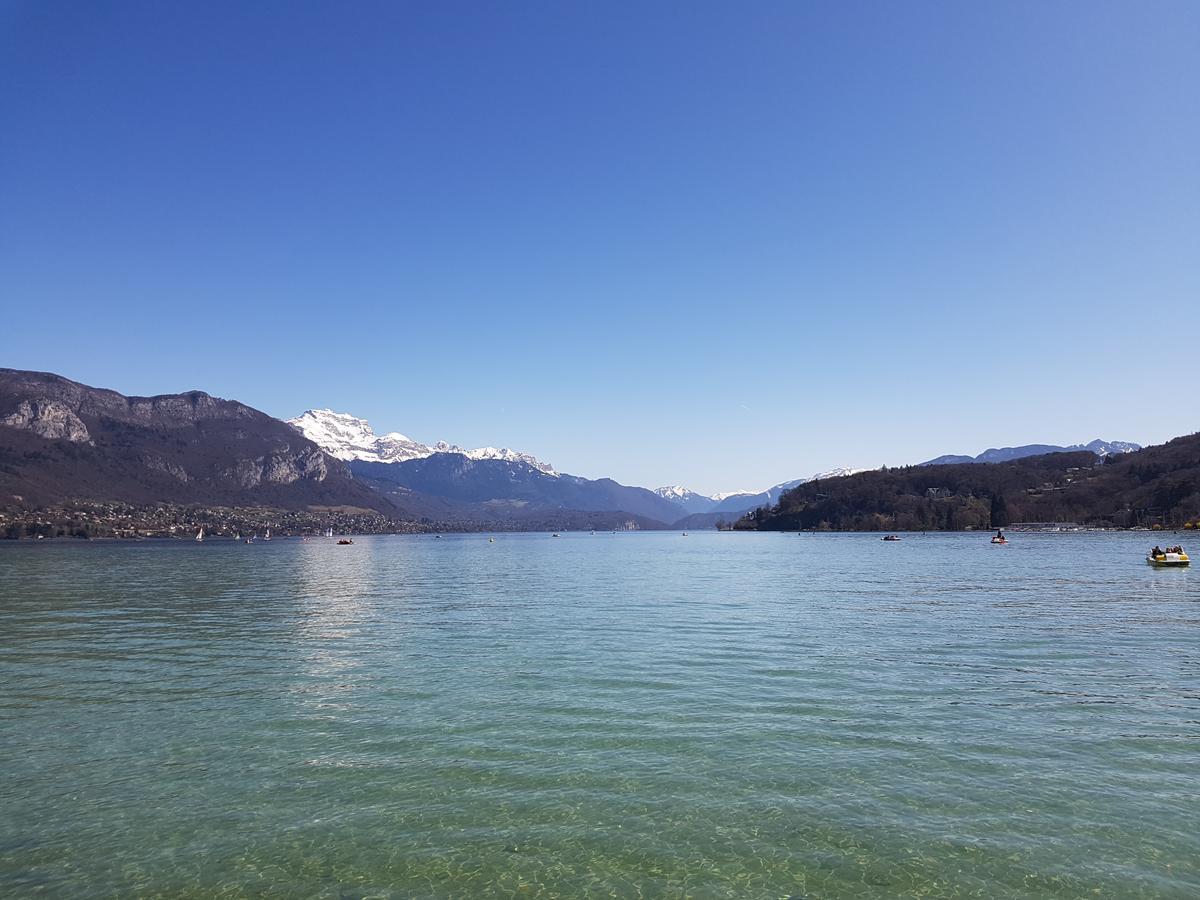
(744,715)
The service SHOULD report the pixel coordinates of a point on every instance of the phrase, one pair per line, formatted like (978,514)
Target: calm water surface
(629,715)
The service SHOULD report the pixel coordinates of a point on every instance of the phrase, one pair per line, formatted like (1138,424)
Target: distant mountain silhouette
(62,441)
(1007,454)
(514,484)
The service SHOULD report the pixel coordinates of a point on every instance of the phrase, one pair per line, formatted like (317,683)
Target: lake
(717,715)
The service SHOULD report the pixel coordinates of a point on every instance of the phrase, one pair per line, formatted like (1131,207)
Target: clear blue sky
(717,244)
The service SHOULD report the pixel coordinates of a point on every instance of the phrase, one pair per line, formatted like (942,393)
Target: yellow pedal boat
(1168,559)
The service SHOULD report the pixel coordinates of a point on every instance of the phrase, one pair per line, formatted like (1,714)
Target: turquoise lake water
(630,715)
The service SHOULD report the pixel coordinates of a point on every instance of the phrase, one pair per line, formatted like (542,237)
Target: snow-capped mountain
(496,453)
(740,501)
(1104,448)
(773,493)
(725,495)
(832,473)
(347,437)
(687,500)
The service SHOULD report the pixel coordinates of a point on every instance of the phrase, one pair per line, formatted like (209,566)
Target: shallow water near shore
(717,715)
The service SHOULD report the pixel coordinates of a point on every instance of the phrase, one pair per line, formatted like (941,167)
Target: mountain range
(61,440)
(489,484)
(346,437)
(1008,454)
(700,506)
(352,439)
(509,479)
(738,501)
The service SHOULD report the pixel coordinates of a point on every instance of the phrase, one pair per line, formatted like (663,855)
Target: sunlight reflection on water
(722,715)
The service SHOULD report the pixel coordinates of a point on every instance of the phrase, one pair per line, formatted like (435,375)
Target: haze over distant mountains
(61,440)
(741,501)
(1007,454)
(350,438)
(738,501)
(493,483)
(527,480)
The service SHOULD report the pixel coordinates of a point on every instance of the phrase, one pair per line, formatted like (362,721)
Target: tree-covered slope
(1157,485)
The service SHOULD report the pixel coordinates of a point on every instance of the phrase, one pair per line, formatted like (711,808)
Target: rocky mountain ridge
(60,439)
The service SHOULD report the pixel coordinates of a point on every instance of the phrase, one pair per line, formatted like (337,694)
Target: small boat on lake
(999,538)
(200,534)
(345,541)
(1171,558)
(891,537)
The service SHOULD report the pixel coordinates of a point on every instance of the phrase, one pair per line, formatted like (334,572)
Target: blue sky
(722,245)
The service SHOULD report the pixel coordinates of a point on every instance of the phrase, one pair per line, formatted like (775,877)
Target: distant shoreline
(223,539)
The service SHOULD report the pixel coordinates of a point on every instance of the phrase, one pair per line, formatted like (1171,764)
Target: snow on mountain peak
(841,472)
(735,501)
(347,437)
(675,492)
(1104,448)
(725,495)
(340,434)
(510,455)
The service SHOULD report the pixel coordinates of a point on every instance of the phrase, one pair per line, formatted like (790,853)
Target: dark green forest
(1155,486)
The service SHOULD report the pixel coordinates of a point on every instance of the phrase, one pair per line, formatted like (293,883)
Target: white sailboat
(328,532)
(267,537)
(200,534)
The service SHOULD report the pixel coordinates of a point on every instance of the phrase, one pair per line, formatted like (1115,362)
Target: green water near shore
(718,715)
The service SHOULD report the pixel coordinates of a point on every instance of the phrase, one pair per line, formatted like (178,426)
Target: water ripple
(626,715)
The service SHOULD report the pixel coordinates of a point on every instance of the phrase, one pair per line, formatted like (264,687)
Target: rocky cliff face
(63,440)
(279,468)
(50,419)
(89,402)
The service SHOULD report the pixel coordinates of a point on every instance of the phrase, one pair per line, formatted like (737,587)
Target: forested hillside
(1155,486)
